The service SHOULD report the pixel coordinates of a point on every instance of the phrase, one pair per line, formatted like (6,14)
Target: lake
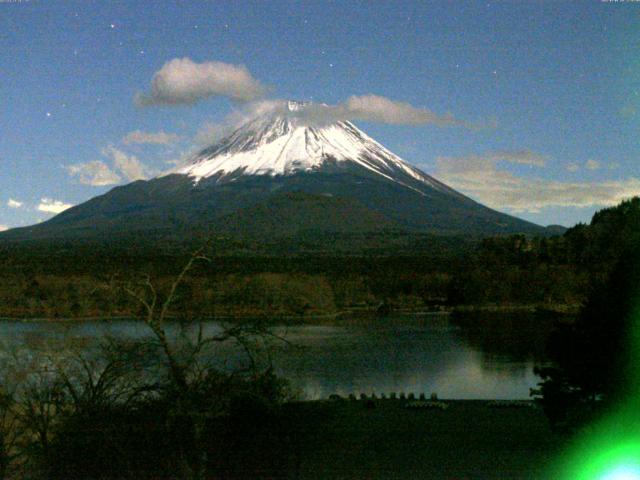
(486,356)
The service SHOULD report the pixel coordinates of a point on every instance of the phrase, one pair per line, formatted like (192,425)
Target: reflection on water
(464,357)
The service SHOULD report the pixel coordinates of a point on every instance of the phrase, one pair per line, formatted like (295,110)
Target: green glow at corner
(623,473)
(620,462)
(611,449)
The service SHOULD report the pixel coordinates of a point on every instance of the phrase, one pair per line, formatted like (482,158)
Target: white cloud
(480,164)
(11,203)
(128,165)
(380,109)
(53,206)
(522,157)
(211,132)
(592,165)
(99,173)
(94,173)
(484,181)
(182,81)
(159,138)
(374,108)
(3,227)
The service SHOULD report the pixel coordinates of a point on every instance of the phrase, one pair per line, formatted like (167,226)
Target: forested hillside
(305,276)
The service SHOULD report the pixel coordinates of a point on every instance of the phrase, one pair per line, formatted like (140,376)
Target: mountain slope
(261,173)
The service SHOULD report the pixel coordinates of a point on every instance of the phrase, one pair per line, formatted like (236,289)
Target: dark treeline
(73,280)
(61,279)
(594,360)
(293,286)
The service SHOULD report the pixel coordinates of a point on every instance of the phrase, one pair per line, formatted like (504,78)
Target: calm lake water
(467,357)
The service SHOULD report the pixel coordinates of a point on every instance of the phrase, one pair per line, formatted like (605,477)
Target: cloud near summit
(371,108)
(182,81)
(368,108)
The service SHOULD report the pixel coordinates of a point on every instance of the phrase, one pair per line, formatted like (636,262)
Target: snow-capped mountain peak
(283,175)
(294,106)
(286,144)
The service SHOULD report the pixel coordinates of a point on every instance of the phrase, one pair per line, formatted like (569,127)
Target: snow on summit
(286,142)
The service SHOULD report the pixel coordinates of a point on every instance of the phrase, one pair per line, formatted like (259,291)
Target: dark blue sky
(555,86)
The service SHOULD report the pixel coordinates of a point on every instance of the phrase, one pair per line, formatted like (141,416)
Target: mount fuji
(280,175)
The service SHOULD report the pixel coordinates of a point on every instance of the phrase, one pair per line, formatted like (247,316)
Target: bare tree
(69,395)
(192,377)
(9,433)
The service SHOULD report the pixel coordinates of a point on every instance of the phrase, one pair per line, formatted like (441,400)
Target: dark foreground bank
(383,439)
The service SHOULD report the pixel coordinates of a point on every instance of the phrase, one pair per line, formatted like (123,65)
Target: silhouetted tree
(592,357)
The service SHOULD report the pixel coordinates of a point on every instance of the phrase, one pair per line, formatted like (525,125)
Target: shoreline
(513,403)
(353,313)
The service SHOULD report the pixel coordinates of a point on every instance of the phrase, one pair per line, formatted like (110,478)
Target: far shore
(319,317)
